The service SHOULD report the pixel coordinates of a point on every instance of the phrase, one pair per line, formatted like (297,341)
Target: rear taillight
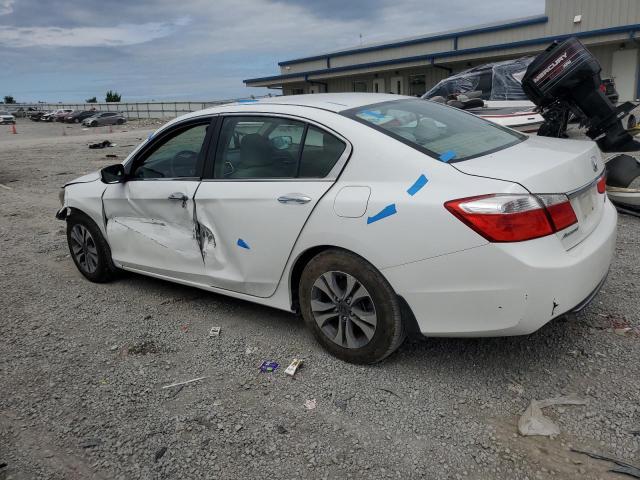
(602,183)
(514,217)
(560,210)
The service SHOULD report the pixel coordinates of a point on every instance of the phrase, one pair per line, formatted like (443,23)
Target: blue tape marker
(417,186)
(242,244)
(248,100)
(372,114)
(448,155)
(384,213)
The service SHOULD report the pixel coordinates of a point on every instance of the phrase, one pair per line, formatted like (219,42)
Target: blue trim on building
(415,41)
(454,53)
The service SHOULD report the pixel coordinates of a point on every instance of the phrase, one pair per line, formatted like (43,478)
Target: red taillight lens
(514,218)
(602,183)
(560,210)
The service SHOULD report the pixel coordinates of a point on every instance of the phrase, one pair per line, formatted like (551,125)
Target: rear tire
(89,250)
(120,121)
(350,307)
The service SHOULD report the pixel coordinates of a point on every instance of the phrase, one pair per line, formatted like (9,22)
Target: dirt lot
(82,366)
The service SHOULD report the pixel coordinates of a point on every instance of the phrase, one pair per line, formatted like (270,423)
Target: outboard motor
(566,77)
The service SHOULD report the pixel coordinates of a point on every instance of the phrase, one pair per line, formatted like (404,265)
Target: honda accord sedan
(372,215)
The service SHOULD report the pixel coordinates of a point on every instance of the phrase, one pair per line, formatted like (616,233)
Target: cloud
(120,35)
(6,7)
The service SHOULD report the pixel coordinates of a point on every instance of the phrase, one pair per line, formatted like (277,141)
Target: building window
(417,85)
(359,86)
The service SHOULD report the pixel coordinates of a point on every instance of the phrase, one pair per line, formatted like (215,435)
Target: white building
(609,28)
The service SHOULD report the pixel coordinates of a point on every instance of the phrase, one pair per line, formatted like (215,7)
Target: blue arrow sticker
(448,155)
(418,184)
(384,213)
(242,244)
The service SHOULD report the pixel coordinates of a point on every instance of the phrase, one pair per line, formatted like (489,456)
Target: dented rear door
(270,172)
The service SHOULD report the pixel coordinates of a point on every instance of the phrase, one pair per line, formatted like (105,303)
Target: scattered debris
(159,454)
(143,348)
(250,350)
(268,366)
(533,421)
(390,392)
(103,144)
(184,327)
(635,432)
(623,467)
(293,368)
(90,443)
(281,430)
(516,387)
(185,382)
(214,332)
(311,404)
(111,155)
(3,464)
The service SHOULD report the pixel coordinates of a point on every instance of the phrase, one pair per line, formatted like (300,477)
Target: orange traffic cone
(13,129)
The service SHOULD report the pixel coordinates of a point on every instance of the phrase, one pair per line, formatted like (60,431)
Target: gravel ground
(82,366)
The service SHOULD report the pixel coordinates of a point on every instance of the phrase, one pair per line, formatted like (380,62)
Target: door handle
(179,196)
(296,198)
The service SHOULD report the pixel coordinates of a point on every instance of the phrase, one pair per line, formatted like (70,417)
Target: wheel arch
(409,319)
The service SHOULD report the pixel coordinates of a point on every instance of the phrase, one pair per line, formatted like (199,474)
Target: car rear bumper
(505,289)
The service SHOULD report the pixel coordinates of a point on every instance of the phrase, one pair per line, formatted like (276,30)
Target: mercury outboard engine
(566,77)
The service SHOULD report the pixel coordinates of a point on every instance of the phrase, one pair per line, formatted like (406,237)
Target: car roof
(333,102)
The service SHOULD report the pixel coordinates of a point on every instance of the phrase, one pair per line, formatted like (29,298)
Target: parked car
(373,215)
(21,112)
(62,114)
(54,114)
(104,118)
(79,115)
(499,85)
(6,117)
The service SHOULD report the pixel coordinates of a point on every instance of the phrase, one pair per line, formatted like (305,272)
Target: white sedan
(372,215)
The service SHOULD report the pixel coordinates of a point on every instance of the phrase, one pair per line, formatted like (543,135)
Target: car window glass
(436,129)
(258,147)
(174,158)
(320,153)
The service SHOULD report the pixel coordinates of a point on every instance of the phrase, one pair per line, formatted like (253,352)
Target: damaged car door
(268,174)
(150,217)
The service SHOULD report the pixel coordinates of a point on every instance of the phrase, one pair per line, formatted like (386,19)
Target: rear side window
(263,147)
(436,129)
(321,152)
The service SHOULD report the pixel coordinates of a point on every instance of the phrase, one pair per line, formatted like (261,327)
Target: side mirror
(113,174)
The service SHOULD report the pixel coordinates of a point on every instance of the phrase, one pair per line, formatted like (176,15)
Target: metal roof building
(410,66)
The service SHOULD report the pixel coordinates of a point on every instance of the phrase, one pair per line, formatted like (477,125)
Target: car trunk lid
(547,165)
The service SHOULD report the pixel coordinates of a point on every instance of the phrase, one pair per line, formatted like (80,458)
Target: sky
(70,50)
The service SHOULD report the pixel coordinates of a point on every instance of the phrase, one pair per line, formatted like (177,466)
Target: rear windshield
(440,131)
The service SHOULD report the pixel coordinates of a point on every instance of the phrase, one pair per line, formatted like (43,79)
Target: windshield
(442,132)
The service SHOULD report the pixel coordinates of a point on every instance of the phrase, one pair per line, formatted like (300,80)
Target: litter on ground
(185,382)
(533,421)
(214,332)
(293,368)
(268,366)
(310,404)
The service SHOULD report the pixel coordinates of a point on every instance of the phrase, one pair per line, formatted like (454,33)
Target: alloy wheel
(343,309)
(84,248)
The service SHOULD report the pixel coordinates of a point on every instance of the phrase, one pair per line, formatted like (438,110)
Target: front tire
(89,250)
(350,307)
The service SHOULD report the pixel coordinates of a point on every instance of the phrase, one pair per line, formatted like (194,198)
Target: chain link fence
(137,110)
